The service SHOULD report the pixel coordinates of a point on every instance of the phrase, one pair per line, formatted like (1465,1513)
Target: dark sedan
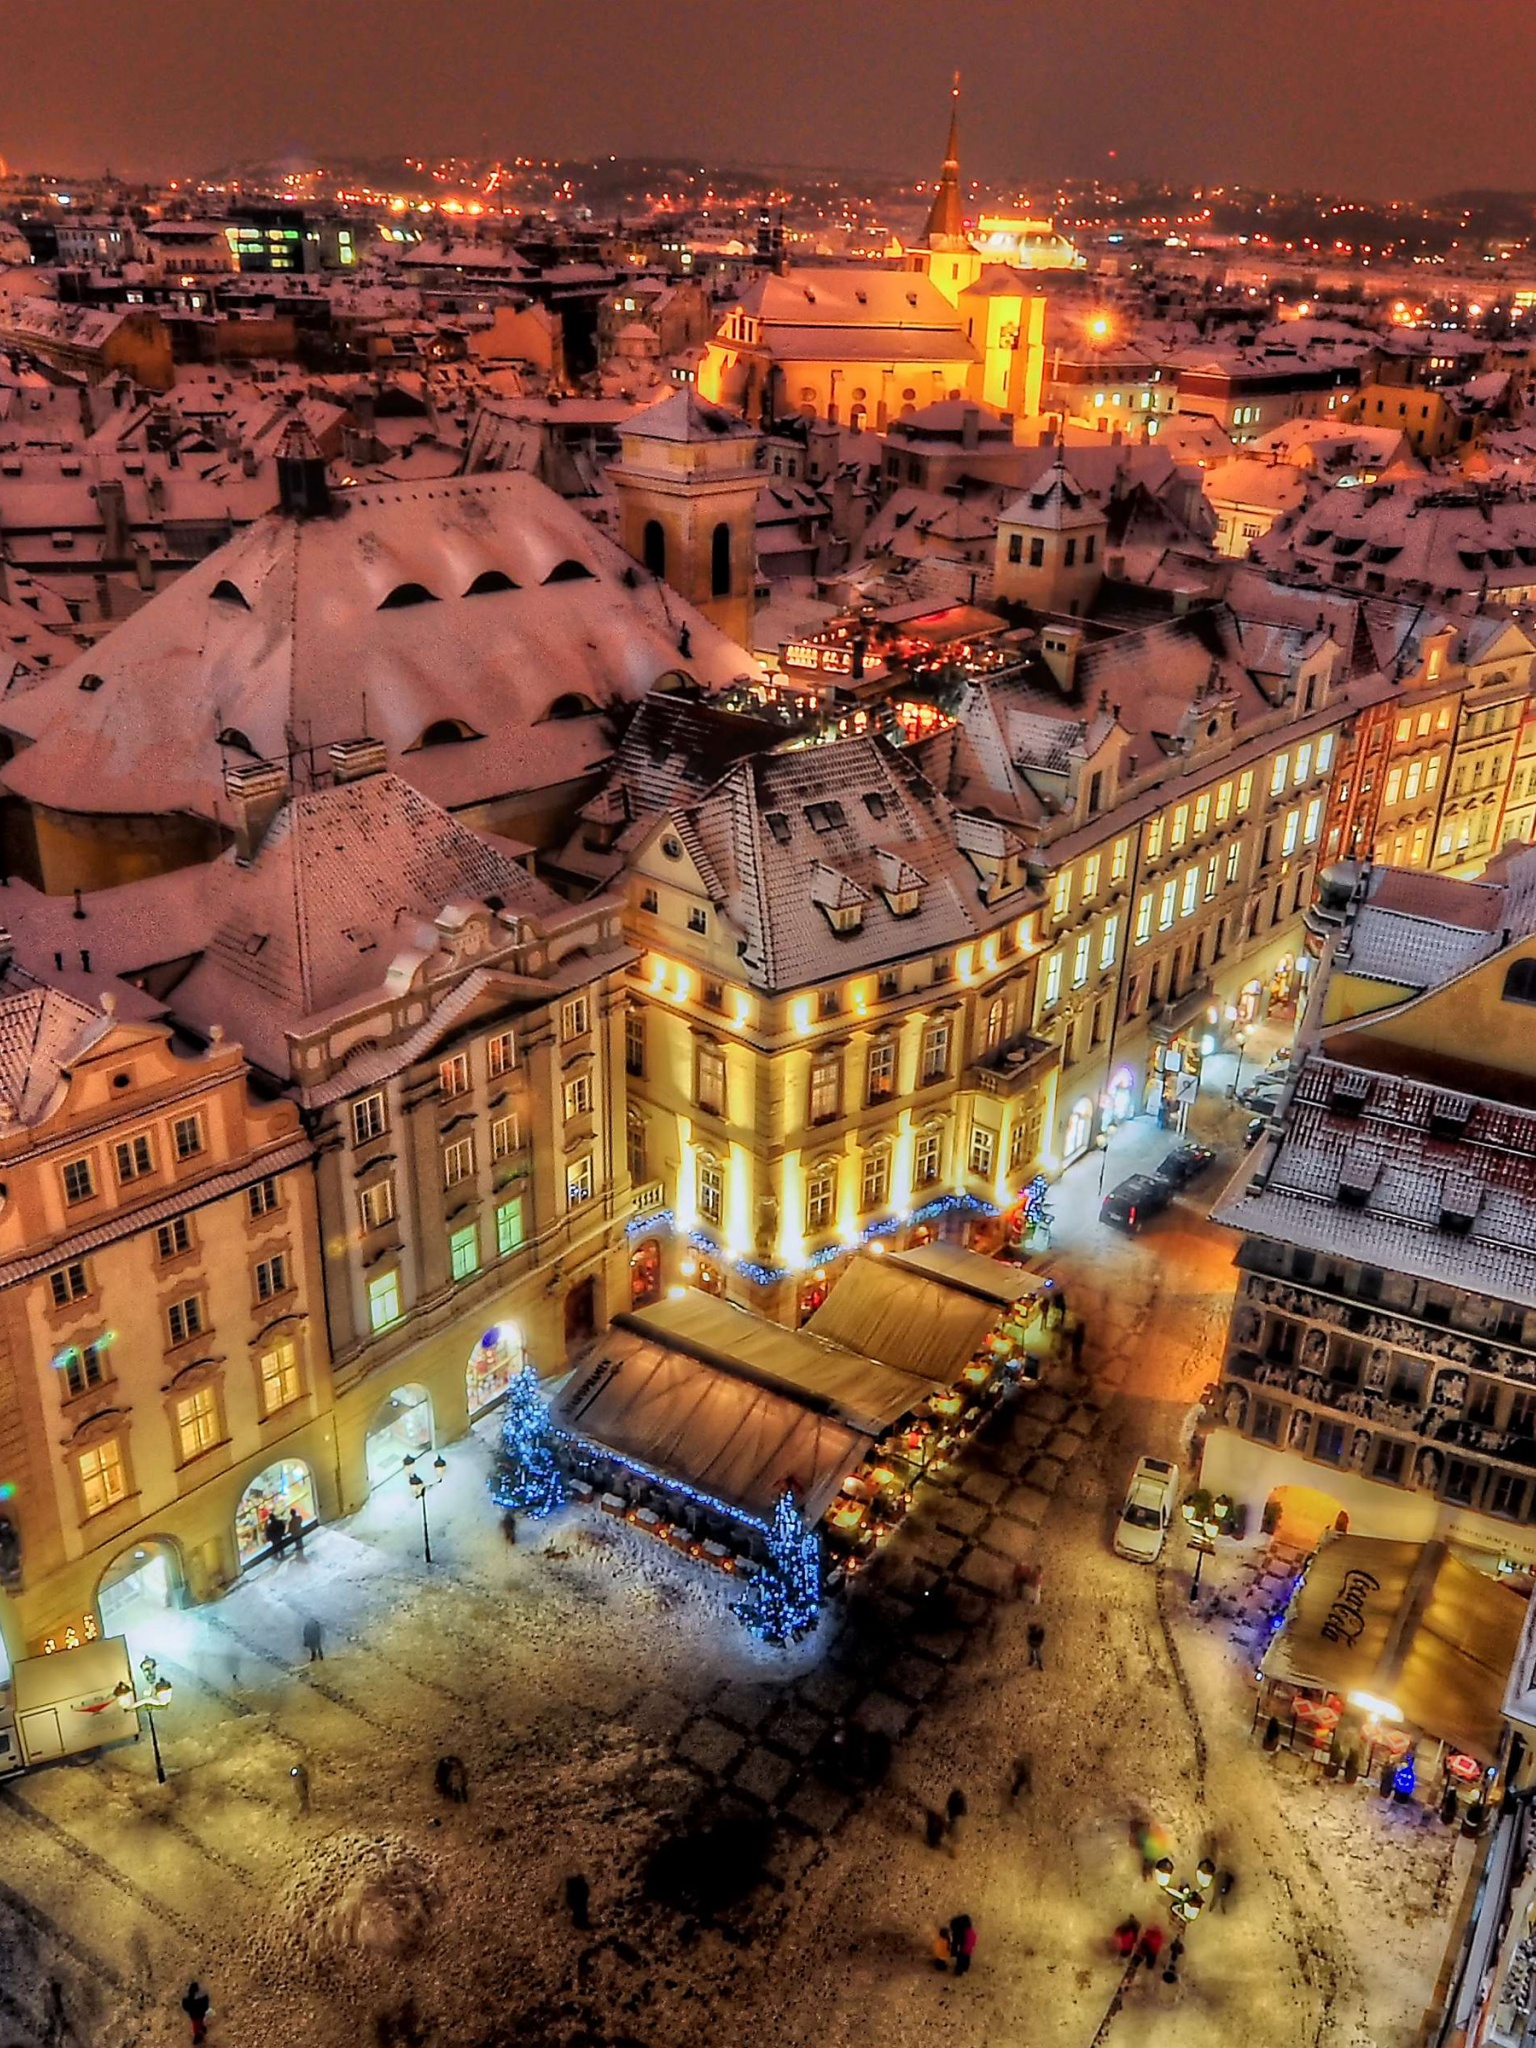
(1137,1198)
(1184,1164)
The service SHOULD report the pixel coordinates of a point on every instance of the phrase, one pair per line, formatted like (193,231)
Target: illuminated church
(862,347)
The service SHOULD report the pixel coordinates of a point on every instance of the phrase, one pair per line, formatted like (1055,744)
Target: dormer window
(904,902)
(847,917)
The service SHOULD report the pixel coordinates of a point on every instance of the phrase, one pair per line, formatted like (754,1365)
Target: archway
(645,1273)
(1079,1129)
(1300,1515)
(493,1365)
(1122,1096)
(720,561)
(275,1492)
(580,1315)
(139,1587)
(401,1428)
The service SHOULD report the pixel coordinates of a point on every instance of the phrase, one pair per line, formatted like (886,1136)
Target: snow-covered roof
(687,417)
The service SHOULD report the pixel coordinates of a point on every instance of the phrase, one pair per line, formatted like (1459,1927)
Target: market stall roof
(713,1431)
(860,1391)
(909,1319)
(969,1271)
(1378,1620)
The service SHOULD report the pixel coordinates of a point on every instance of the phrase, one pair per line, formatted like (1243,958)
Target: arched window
(571,704)
(997,1023)
(488,580)
(653,547)
(569,572)
(405,594)
(720,561)
(443,732)
(230,593)
(1520,982)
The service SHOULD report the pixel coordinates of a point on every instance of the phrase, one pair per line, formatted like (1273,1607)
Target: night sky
(1377,97)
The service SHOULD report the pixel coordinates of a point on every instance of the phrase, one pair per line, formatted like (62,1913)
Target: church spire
(946,216)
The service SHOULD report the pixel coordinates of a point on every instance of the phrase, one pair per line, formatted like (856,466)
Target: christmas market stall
(1390,1664)
(939,1312)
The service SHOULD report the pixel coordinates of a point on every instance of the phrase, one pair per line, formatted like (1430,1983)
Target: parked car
(1257,1126)
(1261,1094)
(1129,1205)
(1185,1163)
(1149,1504)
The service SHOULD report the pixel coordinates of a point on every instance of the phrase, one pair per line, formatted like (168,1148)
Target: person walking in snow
(578,1899)
(1224,1886)
(962,1942)
(933,1828)
(1036,1645)
(313,1641)
(1124,1937)
(196,2005)
(956,1808)
(1150,1946)
(300,1776)
(1023,1777)
(296,1531)
(277,1533)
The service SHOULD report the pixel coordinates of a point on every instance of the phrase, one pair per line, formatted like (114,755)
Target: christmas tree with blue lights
(527,1479)
(784,1599)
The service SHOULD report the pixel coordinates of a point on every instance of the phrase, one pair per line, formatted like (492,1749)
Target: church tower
(688,480)
(945,253)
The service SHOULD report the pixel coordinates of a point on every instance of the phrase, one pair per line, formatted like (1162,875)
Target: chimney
(1059,649)
(970,427)
(258,792)
(356,760)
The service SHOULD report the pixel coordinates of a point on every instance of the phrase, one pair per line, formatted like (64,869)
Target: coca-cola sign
(1346,1617)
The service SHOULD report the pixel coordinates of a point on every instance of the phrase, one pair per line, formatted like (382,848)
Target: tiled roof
(41,1030)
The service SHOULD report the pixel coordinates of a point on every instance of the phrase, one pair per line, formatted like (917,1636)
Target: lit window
(1091,875)
(367,1118)
(826,1089)
(711,1189)
(1234,860)
(1081,954)
(1062,898)
(458,1160)
(1053,980)
(102,1482)
(710,1089)
(928,1159)
(1245,789)
(261,1197)
(134,1158)
(1314,819)
(1144,919)
(184,1319)
(377,1204)
(464,1251)
(271,1276)
(575,1017)
(578,1182)
(1189,895)
(173,1238)
(1223,803)
(505,1137)
(1404,730)
(1432,772)
(1119,860)
(279,1376)
(509,1226)
(1109,939)
(1303,762)
(1412,780)
(1165,907)
(1394,784)
(983,1148)
(1180,826)
(384,1300)
(453,1075)
(500,1054)
(578,1096)
(197,1423)
(1277,773)
(1292,832)
(1155,838)
(1324,753)
(188,1134)
(881,1072)
(68,1284)
(79,1180)
(935,1052)
(1202,812)
(820,1196)
(1212,872)
(875,1186)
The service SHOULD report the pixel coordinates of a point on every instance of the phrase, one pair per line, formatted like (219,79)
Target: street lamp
(1203,1531)
(1237,1078)
(420,1488)
(157,1695)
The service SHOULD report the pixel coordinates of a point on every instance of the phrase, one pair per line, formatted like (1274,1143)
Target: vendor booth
(934,1311)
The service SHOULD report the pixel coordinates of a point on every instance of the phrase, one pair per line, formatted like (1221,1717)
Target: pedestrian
(313,1641)
(197,2005)
(300,1776)
(933,1828)
(1061,1306)
(578,1898)
(1078,1337)
(452,1780)
(956,1807)
(1023,1776)
(1150,1946)
(277,1532)
(1124,1937)
(296,1531)
(1036,1645)
(1171,1970)
(509,1528)
(962,1942)
(1224,1886)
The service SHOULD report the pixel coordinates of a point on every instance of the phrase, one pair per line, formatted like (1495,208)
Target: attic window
(445,732)
(570,572)
(92,682)
(847,917)
(230,593)
(1357,1179)
(671,848)
(405,594)
(491,579)
(874,803)
(778,825)
(231,736)
(571,704)
(827,817)
(1347,1094)
(1449,1116)
(903,902)
(1460,1200)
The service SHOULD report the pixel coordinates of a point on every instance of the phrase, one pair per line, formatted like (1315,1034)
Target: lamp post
(421,1488)
(1203,1531)
(1237,1078)
(158,1695)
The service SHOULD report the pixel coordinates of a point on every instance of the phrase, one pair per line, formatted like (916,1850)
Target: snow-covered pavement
(605,1704)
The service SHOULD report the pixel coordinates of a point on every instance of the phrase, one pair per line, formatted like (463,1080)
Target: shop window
(494,1363)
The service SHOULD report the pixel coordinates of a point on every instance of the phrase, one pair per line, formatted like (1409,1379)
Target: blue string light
(710,1501)
(658,1220)
(527,1478)
(784,1599)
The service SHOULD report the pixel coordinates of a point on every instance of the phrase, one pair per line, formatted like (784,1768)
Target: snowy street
(605,1704)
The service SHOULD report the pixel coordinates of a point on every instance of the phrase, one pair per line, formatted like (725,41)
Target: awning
(1408,1624)
(969,1271)
(860,1391)
(905,1318)
(713,1432)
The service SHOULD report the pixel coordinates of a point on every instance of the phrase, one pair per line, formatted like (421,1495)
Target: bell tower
(688,480)
(945,253)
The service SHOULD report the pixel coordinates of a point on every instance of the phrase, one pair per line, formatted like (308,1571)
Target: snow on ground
(606,1703)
